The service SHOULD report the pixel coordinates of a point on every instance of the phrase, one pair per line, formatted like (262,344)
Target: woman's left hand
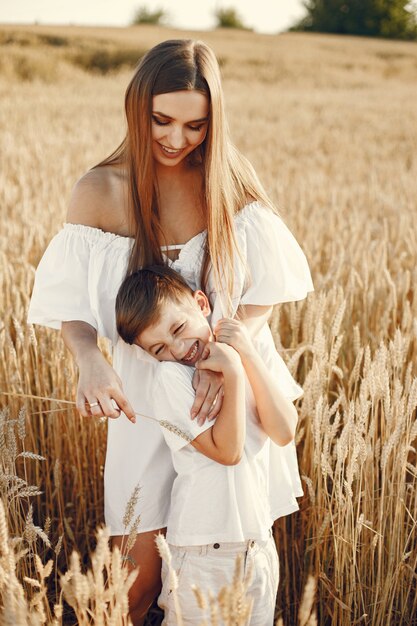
(208,401)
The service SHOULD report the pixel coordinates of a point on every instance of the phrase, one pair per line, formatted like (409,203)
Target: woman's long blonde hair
(230,181)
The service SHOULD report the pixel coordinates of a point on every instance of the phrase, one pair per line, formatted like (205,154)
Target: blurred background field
(330,125)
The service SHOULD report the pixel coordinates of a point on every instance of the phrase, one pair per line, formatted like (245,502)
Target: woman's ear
(202,301)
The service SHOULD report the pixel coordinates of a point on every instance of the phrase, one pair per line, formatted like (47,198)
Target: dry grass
(97,597)
(331,126)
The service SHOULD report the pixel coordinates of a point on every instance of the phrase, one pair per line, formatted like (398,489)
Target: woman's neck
(180,200)
(166,173)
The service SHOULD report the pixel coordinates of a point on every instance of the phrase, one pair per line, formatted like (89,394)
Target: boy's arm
(254,317)
(224,441)
(173,395)
(277,414)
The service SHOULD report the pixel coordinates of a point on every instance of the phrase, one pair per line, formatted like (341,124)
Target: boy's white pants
(212,567)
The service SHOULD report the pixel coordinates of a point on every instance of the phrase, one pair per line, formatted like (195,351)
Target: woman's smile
(170,152)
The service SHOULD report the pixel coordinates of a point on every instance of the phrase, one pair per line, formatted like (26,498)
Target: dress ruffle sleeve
(277,269)
(78,278)
(60,292)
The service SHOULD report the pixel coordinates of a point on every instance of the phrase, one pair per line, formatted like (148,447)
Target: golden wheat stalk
(164,423)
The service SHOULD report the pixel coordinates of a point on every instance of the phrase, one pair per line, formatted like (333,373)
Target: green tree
(395,19)
(229,18)
(143,15)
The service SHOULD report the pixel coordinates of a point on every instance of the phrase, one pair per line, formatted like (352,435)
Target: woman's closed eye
(161,123)
(179,328)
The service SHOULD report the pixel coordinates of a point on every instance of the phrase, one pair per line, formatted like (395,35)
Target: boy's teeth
(193,353)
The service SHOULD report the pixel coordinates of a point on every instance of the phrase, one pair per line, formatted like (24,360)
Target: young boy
(220,498)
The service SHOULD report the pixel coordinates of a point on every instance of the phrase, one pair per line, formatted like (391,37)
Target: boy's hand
(219,358)
(235,334)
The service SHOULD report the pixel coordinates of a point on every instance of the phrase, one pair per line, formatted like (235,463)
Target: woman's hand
(100,391)
(208,395)
(208,387)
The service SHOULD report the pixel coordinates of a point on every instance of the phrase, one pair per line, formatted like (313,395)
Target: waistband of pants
(222,547)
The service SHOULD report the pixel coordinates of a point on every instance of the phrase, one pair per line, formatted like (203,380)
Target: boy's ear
(202,301)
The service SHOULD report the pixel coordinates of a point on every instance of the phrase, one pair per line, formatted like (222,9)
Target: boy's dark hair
(138,302)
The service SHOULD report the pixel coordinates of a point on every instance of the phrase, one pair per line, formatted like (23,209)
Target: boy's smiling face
(181,332)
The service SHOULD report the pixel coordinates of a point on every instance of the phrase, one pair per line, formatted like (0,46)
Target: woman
(175,191)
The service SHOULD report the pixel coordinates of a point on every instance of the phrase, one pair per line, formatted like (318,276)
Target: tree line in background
(395,19)
(225,18)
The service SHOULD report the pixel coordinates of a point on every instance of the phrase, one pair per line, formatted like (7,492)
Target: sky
(265,16)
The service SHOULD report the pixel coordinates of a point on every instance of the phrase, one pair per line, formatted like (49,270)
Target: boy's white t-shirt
(211,502)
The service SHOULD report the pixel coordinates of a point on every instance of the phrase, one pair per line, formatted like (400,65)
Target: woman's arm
(277,414)
(98,382)
(254,317)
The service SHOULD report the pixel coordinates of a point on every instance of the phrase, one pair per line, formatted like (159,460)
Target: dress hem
(123,533)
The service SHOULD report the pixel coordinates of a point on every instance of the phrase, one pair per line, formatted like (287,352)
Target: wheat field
(330,124)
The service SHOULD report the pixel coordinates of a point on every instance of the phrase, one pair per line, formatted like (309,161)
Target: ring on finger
(92,404)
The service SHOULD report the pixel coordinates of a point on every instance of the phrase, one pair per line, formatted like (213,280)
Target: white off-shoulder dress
(78,278)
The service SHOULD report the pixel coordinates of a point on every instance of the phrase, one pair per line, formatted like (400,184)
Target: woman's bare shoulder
(97,199)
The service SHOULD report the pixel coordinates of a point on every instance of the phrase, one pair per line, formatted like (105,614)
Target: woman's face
(179,125)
